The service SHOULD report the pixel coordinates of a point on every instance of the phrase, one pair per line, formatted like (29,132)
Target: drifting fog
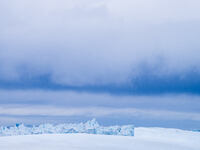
(98,42)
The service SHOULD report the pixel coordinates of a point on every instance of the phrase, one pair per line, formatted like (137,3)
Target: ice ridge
(90,127)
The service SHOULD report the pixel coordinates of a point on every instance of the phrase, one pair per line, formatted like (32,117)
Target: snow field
(144,139)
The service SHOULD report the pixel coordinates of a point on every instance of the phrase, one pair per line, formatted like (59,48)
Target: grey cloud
(98,42)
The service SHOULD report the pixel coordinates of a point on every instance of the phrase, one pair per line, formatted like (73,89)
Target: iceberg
(90,127)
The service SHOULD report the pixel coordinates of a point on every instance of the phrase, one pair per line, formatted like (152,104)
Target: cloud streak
(97,112)
(69,99)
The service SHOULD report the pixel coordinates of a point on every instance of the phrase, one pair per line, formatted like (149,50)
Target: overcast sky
(100,58)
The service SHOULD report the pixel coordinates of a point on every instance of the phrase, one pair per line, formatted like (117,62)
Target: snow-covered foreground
(144,139)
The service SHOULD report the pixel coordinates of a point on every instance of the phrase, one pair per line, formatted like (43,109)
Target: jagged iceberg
(90,127)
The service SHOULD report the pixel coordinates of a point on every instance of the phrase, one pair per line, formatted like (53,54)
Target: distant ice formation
(90,127)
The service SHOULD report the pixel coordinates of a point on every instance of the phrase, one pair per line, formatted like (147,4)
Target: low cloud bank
(75,104)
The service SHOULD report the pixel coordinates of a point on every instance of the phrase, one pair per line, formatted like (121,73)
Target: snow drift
(144,139)
(90,127)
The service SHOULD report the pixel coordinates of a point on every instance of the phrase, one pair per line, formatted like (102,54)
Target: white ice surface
(144,139)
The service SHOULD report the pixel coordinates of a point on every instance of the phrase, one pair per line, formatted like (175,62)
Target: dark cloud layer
(146,84)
